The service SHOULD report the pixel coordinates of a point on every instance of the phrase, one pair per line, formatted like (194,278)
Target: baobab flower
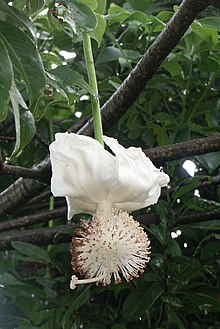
(108,186)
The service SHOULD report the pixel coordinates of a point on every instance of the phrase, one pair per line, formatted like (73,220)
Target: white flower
(87,174)
(108,186)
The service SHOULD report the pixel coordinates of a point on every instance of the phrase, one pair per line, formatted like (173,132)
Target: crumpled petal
(82,171)
(137,182)
(86,174)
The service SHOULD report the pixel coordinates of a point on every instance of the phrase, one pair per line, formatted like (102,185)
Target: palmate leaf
(25,58)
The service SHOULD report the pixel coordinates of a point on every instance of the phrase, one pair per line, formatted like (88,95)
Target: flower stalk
(97,120)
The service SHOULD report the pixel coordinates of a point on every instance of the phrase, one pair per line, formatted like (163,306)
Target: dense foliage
(43,92)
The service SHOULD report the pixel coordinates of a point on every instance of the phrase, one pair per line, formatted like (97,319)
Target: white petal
(82,171)
(77,206)
(138,182)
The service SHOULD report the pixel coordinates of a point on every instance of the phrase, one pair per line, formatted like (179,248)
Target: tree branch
(33,219)
(19,193)
(40,236)
(7,139)
(161,154)
(19,171)
(143,72)
(45,235)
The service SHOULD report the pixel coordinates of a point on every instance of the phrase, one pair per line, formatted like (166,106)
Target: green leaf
(68,79)
(99,30)
(34,6)
(209,225)
(25,58)
(206,34)
(174,248)
(212,22)
(211,161)
(117,14)
(200,301)
(34,253)
(172,67)
(13,16)
(141,300)
(108,54)
(118,326)
(101,7)
(183,268)
(172,300)
(139,4)
(24,123)
(78,301)
(81,14)
(188,186)
(92,4)
(5,265)
(6,77)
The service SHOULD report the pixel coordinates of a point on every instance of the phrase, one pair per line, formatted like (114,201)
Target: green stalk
(97,120)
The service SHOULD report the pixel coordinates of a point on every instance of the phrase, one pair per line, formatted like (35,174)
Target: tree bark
(161,154)
(30,220)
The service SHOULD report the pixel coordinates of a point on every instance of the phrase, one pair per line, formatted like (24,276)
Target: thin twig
(41,140)
(7,139)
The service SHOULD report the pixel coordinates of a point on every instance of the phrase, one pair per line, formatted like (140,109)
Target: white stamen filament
(74,281)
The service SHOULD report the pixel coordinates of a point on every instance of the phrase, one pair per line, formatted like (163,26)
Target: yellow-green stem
(97,120)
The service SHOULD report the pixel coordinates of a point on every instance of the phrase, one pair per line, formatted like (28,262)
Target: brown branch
(41,140)
(143,72)
(199,217)
(19,193)
(45,235)
(39,207)
(19,171)
(33,219)
(78,125)
(7,139)
(40,236)
(41,197)
(161,154)
(184,220)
